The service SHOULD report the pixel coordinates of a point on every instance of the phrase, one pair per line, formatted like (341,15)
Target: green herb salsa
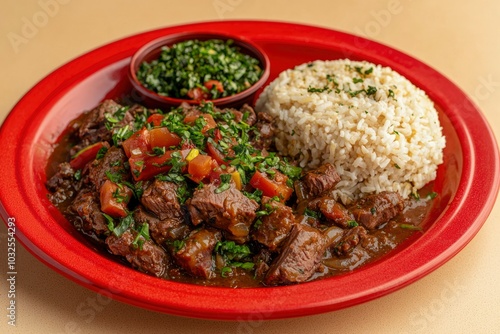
(200,70)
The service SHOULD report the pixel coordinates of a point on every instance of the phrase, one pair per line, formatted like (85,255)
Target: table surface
(458,38)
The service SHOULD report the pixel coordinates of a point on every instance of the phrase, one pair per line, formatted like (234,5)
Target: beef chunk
(349,241)
(266,130)
(161,198)
(319,180)
(251,117)
(92,128)
(87,207)
(112,162)
(162,230)
(61,184)
(245,114)
(228,210)
(374,210)
(195,256)
(332,210)
(148,258)
(300,257)
(274,227)
(262,261)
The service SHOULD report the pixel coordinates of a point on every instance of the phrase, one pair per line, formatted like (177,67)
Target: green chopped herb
(78,175)
(232,251)
(352,223)
(371,90)
(357,80)
(192,64)
(121,134)
(142,236)
(178,245)
(110,220)
(432,195)
(114,177)
(316,90)
(410,227)
(225,183)
(102,151)
(124,225)
(225,271)
(311,213)
(158,150)
(256,195)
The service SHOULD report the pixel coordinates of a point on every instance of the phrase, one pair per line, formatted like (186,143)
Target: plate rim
(253,309)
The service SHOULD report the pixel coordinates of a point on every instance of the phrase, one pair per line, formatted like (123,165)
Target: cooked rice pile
(379,130)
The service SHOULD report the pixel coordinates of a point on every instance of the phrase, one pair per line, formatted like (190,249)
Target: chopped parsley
(225,183)
(432,195)
(192,64)
(317,90)
(102,151)
(352,223)
(125,224)
(410,227)
(235,256)
(142,236)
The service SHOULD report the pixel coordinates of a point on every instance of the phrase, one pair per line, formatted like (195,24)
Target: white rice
(388,140)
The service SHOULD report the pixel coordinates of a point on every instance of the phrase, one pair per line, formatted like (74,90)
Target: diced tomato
(192,116)
(215,173)
(138,144)
(86,155)
(216,154)
(145,167)
(156,119)
(272,187)
(199,167)
(162,137)
(217,135)
(211,83)
(197,94)
(114,199)
(187,145)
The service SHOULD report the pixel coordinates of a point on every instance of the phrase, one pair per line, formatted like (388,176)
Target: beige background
(459,38)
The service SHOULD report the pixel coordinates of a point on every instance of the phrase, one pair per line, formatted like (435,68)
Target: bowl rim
(170,39)
(468,210)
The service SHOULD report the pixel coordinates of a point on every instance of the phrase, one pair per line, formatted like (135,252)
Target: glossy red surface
(152,50)
(467,188)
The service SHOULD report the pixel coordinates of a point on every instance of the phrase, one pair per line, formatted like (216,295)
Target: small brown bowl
(152,50)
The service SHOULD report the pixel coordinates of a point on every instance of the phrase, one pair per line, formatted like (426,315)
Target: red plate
(468,180)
